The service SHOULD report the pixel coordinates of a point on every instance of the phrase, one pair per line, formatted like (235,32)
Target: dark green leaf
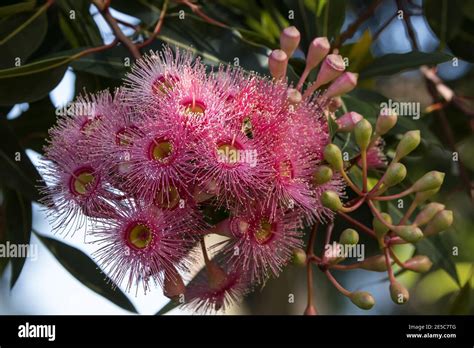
(32,126)
(87,272)
(435,247)
(20,37)
(462,301)
(147,11)
(16,169)
(18,227)
(393,63)
(19,7)
(330,15)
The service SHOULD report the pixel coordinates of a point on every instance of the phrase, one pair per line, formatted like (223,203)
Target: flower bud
(289,40)
(424,195)
(330,199)
(348,121)
(334,104)
(349,236)
(409,233)
(440,222)
(277,63)
(294,96)
(407,144)
(428,212)
(396,173)
(374,263)
(333,155)
(333,66)
(298,257)
(380,228)
(399,293)
(430,181)
(342,85)
(173,285)
(419,263)
(318,49)
(385,122)
(310,310)
(363,133)
(362,299)
(322,175)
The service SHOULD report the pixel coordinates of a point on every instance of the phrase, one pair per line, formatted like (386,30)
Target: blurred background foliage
(386,42)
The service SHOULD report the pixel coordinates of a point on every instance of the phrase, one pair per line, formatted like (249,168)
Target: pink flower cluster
(144,168)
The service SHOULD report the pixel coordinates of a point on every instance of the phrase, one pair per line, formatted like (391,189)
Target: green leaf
(16,169)
(19,7)
(86,271)
(32,126)
(32,81)
(393,63)
(435,248)
(18,227)
(147,11)
(462,301)
(330,16)
(20,36)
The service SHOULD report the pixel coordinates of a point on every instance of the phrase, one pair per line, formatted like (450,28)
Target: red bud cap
(289,40)
(277,63)
(399,293)
(332,67)
(419,263)
(385,122)
(362,299)
(428,212)
(440,222)
(348,121)
(318,49)
(342,85)
(173,285)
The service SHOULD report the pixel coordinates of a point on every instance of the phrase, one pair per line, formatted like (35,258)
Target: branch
(158,26)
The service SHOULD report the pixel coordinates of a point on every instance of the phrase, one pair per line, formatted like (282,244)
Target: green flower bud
(411,234)
(349,236)
(419,263)
(330,199)
(430,181)
(322,175)
(385,122)
(440,222)
(333,155)
(363,133)
(374,263)
(396,173)
(379,228)
(424,195)
(399,293)
(362,299)
(407,144)
(428,212)
(298,257)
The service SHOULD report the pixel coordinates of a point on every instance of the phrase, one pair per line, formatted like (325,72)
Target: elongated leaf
(20,37)
(19,7)
(462,301)
(16,169)
(147,11)
(18,227)
(32,81)
(393,63)
(86,271)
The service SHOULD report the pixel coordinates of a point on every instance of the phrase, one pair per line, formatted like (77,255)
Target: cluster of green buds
(432,217)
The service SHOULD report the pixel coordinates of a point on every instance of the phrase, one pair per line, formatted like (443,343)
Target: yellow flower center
(140,236)
(228,153)
(160,150)
(82,182)
(167,199)
(264,232)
